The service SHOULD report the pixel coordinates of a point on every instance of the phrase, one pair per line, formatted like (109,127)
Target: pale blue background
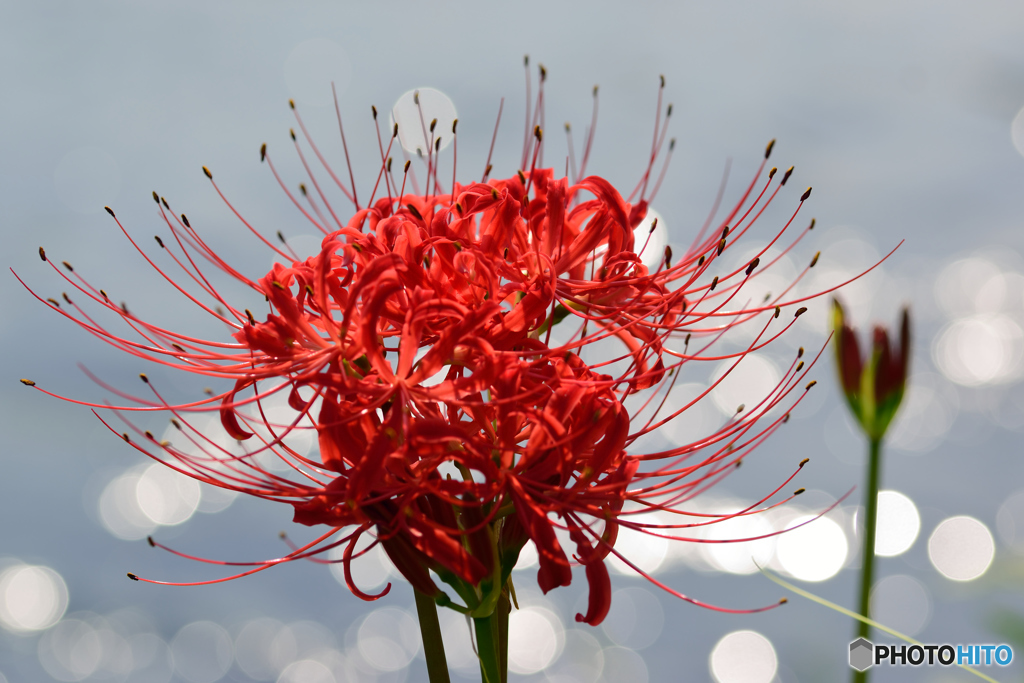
(897,113)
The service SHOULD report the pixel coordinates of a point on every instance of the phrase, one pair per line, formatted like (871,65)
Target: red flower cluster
(417,343)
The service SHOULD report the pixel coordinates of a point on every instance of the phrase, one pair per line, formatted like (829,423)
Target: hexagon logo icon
(861,654)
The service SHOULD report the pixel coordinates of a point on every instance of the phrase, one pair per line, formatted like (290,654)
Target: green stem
(501,613)
(433,645)
(487,645)
(867,572)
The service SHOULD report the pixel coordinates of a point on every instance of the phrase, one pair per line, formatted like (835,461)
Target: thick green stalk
(433,646)
(487,645)
(867,572)
(501,613)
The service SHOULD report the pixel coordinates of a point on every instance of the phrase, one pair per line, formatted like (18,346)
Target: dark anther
(110,211)
(768,150)
(789,172)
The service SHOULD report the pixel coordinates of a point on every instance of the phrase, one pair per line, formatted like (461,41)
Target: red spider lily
(417,343)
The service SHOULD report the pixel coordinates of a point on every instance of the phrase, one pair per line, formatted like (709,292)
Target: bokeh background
(907,119)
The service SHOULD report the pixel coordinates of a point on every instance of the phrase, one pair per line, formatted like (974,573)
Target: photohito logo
(864,654)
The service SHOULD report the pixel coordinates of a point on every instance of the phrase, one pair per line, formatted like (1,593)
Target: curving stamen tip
(799,491)
(143,377)
(110,211)
(543,72)
(714,283)
(721,246)
(654,224)
(526,60)
(778,310)
(455,123)
(800,311)
(207,173)
(149,435)
(263,152)
(252,320)
(595,90)
(768,149)
(163,200)
(538,133)
(280,236)
(740,408)
(177,425)
(374,110)
(126,438)
(159,241)
(810,384)
(668,111)
(814,261)
(783,601)
(785,418)
(291,132)
(133,577)
(811,226)
(753,265)
(771,173)
(433,125)
(152,543)
(185,221)
(42,253)
(416,98)
(800,352)
(302,189)
(805,195)
(28,382)
(785,177)
(407,164)
(282,535)
(291,104)
(804,462)
(68,266)
(394,133)
(662,77)
(156,197)
(668,252)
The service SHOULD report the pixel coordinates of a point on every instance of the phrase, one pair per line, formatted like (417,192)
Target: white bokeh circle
(961,548)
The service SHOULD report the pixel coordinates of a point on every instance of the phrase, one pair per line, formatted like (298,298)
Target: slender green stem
(501,613)
(867,572)
(487,641)
(433,646)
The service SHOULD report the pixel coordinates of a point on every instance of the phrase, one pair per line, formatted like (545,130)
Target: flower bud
(873,386)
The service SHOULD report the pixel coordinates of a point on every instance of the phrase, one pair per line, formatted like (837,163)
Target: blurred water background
(906,117)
